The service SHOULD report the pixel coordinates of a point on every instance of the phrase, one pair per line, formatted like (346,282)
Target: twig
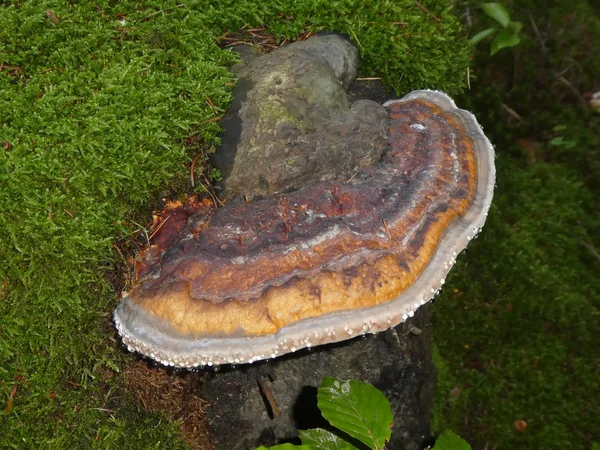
(214,199)
(512,112)
(193,166)
(53,17)
(426,11)
(469,78)
(591,248)
(235,42)
(415,331)
(116,247)
(537,33)
(50,69)
(142,228)
(368,79)
(355,37)
(162,11)
(143,402)
(269,397)
(212,119)
(210,102)
(122,238)
(159,227)
(352,177)
(575,92)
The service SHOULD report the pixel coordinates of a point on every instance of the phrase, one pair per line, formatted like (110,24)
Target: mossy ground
(102,107)
(517,327)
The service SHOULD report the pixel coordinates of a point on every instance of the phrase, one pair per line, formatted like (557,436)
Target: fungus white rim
(145,334)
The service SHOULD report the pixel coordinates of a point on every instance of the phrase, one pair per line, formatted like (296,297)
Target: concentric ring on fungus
(330,261)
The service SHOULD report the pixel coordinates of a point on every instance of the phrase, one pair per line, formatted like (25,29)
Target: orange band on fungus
(334,259)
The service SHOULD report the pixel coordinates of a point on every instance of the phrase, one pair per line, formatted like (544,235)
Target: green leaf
(497,11)
(358,409)
(595,446)
(287,447)
(321,439)
(557,141)
(515,27)
(559,127)
(506,38)
(482,35)
(449,440)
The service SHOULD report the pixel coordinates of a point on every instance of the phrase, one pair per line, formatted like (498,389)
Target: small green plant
(215,175)
(449,440)
(559,140)
(362,416)
(506,35)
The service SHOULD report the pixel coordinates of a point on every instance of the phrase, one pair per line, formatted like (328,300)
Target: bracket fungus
(324,263)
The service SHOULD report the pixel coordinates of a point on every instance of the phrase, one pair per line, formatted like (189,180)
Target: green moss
(95,102)
(274,112)
(517,325)
(409,48)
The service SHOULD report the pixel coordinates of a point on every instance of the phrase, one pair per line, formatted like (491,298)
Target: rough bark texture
(397,361)
(291,121)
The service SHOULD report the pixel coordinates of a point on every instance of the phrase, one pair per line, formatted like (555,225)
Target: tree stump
(292,122)
(267,402)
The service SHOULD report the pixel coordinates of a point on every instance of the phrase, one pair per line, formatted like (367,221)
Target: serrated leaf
(506,38)
(497,11)
(482,35)
(287,447)
(358,409)
(321,439)
(449,440)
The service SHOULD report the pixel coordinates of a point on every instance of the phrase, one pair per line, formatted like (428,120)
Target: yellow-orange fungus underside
(329,247)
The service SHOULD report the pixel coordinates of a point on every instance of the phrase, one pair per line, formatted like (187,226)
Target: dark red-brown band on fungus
(322,264)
